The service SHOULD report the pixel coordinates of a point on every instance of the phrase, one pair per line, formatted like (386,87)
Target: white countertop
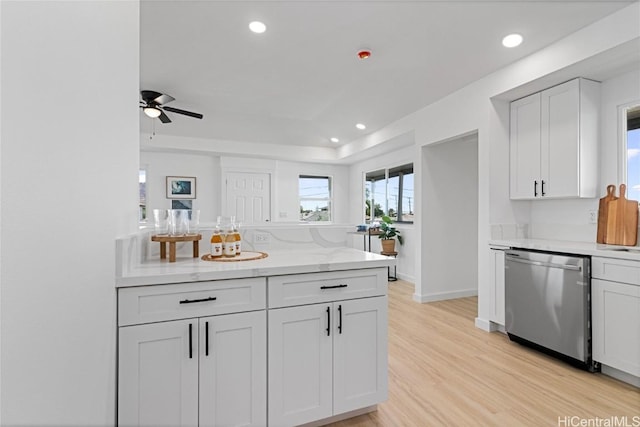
(278,262)
(582,248)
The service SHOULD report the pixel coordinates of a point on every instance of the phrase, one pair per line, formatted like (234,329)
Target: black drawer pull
(334,286)
(190,341)
(191,301)
(206,338)
(328,322)
(340,319)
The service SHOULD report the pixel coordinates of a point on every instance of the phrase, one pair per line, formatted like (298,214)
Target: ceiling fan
(152,104)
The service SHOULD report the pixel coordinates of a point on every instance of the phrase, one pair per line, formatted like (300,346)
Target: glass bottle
(229,243)
(216,243)
(238,239)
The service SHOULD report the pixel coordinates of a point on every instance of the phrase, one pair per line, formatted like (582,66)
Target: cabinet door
(158,374)
(300,364)
(359,353)
(560,140)
(524,148)
(616,325)
(496,286)
(233,370)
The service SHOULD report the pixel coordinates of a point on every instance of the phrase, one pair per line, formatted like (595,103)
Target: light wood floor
(443,371)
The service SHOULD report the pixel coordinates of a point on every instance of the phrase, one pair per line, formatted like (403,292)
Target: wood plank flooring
(443,371)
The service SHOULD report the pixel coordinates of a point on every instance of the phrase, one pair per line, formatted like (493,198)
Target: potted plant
(388,233)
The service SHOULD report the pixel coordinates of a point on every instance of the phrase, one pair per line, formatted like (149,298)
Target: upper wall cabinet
(553,142)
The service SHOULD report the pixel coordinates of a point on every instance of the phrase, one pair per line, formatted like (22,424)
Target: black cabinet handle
(542,186)
(328,322)
(206,338)
(190,341)
(334,286)
(535,188)
(340,319)
(191,301)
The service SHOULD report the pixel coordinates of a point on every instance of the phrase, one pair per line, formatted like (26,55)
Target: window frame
(329,199)
(623,140)
(386,174)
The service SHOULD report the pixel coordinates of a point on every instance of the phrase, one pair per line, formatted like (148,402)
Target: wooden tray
(244,256)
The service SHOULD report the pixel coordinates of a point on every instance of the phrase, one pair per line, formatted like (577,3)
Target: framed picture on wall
(181,187)
(182,204)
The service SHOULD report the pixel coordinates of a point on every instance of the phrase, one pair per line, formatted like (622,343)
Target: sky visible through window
(633,164)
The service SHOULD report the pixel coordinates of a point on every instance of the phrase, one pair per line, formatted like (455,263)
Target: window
(142,191)
(315,198)
(390,192)
(632,135)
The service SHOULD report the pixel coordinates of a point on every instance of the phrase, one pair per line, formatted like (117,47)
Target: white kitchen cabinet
(327,344)
(496,285)
(553,142)
(326,359)
(194,371)
(158,381)
(615,314)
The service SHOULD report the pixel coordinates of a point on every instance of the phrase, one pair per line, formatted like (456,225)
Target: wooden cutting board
(622,221)
(603,213)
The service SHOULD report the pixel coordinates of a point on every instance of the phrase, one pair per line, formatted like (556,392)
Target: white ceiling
(301,83)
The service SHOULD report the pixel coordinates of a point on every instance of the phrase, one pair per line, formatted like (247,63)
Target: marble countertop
(278,262)
(581,248)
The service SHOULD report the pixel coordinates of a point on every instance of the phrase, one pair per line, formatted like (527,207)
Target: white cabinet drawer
(616,270)
(146,304)
(311,288)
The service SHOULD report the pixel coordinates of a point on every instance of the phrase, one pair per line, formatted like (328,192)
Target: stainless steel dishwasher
(548,304)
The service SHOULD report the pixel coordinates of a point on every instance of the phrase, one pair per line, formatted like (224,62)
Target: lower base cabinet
(326,359)
(207,371)
(616,325)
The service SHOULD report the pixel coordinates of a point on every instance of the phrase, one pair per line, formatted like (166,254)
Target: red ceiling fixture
(364,54)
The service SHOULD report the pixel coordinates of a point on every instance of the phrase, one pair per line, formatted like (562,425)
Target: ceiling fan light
(152,112)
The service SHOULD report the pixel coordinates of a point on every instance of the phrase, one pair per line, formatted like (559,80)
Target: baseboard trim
(620,375)
(406,278)
(341,417)
(445,295)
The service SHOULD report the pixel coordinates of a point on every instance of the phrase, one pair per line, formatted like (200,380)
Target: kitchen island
(296,337)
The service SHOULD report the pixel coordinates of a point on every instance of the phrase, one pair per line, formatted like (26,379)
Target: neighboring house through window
(315,198)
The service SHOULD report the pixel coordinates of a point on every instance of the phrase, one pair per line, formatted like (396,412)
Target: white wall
(209,170)
(406,263)
(67,185)
(206,169)
(449,236)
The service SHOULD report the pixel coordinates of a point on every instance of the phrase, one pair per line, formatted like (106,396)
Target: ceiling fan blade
(164,118)
(186,113)
(151,96)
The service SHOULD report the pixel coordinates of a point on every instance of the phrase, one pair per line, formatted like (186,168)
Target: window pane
(142,190)
(394,196)
(407,198)
(376,194)
(315,198)
(633,164)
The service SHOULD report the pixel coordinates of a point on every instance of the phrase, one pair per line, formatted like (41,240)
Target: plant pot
(388,245)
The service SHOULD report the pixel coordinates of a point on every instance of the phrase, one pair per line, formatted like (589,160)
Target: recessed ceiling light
(512,40)
(361,126)
(336,140)
(257,27)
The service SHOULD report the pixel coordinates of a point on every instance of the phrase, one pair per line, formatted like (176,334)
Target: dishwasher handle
(545,264)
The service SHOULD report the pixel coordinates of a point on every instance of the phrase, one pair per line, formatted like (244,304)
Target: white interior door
(249,196)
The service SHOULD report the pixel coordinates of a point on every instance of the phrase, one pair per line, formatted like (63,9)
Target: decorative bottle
(229,247)
(216,243)
(238,239)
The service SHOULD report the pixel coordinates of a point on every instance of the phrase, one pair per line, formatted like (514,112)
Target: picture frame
(182,204)
(181,187)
